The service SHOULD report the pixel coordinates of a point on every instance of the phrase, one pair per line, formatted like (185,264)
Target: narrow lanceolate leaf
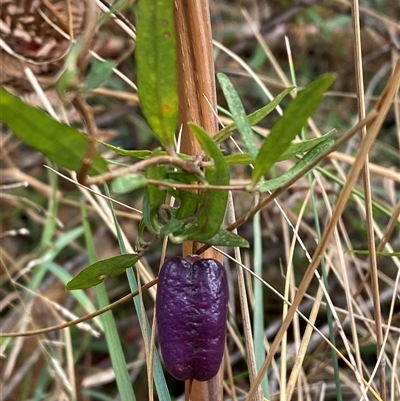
(139,154)
(302,163)
(211,218)
(227,238)
(292,151)
(59,142)
(253,118)
(95,273)
(289,125)
(128,183)
(156,67)
(238,114)
(304,146)
(189,203)
(212,150)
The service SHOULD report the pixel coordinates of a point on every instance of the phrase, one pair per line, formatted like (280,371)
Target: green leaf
(304,146)
(139,154)
(238,114)
(183,177)
(143,154)
(212,150)
(128,183)
(94,274)
(212,216)
(253,118)
(100,72)
(226,238)
(157,67)
(290,125)
(306,159)
(148,216)
(153,198)
(156,194)
(292,151)
(239,158)
(59,142)
(189,204)
(173,225)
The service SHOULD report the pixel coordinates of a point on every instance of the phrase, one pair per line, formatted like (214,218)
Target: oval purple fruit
(192,302)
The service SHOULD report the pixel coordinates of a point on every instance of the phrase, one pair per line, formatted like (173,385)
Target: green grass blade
(159,378)
(52,211)
(367,252)
(115,348)
(49,255)
(290,125)
(156,67)
(258,321)
(110,328)
(64,276)
(41,385)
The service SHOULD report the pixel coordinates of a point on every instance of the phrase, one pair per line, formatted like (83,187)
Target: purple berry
(192,302)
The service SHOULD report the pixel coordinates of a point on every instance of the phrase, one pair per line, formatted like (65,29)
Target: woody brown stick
(197,100)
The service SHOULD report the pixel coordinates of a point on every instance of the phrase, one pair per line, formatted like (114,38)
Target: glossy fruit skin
(192,303)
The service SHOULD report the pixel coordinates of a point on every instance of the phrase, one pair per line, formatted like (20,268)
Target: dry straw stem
(142,165)
(91,14)
(287,390)
(97,193)
(368,204)
(81,319)
(244,306)
(381,110)
(104,211)
(79,102)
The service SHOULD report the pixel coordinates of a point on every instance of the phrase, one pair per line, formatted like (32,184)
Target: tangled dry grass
(42,224)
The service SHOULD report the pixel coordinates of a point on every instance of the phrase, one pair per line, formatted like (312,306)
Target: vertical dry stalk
(197,101)
(381,109)
(373,270)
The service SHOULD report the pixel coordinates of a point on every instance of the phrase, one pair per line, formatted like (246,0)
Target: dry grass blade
(244,306)
(75,322)
(368,199)
(41,205)
(382,108)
